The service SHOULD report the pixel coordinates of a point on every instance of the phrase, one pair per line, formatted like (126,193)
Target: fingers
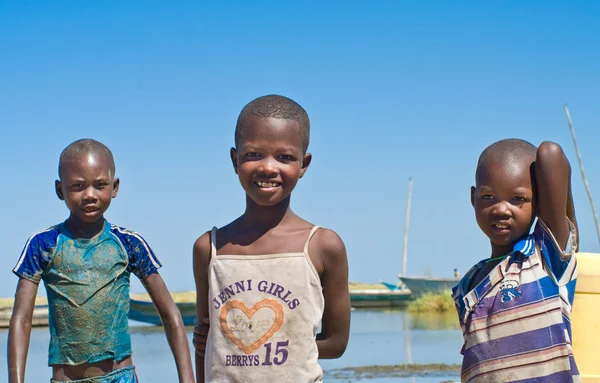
(200,337)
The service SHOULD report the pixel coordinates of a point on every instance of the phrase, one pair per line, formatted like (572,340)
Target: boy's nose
(268,166)
(502,208)
(89,194)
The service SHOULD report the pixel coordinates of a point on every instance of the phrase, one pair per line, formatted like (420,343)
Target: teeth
(267,184)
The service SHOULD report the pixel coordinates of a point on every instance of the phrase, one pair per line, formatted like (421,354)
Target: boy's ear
(473,196)
(233,155)
(305,162)
(116,183)
(58,190)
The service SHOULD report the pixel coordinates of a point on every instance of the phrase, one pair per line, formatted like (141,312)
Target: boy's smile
(269,159)
(504,204)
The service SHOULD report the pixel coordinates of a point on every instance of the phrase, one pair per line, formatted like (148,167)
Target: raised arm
(335,325)
(553,181)
(201,254)
(20,330)
(173,325)
(571,212)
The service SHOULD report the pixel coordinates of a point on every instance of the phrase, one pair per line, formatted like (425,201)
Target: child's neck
(84,230)
(502,250)
(263,218)
(499,251)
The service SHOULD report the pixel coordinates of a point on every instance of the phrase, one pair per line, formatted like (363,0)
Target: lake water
(377,338)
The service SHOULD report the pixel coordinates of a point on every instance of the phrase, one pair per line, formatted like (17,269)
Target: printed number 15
(279,349)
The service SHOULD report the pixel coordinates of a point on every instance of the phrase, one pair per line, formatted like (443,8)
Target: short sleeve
(36,255)
(142,260)
(558,260)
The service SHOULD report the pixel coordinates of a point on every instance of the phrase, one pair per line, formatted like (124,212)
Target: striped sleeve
(36,255)
(558,260)
(142,260)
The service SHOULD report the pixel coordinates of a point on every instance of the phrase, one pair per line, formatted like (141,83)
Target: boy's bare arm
(173,325)
(20,330)
(571,212)
(201,254)
(335,325)
(553,181)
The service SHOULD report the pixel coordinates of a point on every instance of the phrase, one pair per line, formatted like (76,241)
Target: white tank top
(264,314)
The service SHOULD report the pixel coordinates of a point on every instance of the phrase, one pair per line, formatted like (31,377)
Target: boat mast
(406,226)
(585,183)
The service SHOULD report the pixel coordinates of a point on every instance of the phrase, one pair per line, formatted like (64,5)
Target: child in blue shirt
(85,263)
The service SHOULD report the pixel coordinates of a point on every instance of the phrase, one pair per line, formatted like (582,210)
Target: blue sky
(394,89)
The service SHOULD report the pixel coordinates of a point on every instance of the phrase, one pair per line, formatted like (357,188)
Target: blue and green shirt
(87,283)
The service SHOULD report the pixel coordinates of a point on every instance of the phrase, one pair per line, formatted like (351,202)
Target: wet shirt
(87,283)
(516,322)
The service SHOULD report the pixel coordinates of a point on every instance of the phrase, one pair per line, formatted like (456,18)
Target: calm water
(376,338)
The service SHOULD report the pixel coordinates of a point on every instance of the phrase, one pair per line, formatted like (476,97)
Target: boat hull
(422,285)
(144,311)
(39,319)
(379,298)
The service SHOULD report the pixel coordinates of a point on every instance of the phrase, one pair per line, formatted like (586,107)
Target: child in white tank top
(266,281)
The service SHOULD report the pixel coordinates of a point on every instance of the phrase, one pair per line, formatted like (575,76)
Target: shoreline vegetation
(432,302)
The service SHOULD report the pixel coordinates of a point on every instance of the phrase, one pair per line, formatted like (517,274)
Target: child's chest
(83,263)
(512,291)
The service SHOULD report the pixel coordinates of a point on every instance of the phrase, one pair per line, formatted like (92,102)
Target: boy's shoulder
(126,236)
(36,253)
(142,259)
(48,236)
(327,240)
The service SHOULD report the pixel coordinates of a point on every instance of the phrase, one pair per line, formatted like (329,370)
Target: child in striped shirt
(514,307)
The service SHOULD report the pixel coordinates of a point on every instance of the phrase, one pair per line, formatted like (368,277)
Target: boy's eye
(252,154)
(101,185)
(77,185)
(520,199)
(287,157)
(487,196)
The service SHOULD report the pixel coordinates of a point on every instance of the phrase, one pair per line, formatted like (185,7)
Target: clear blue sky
(393,89)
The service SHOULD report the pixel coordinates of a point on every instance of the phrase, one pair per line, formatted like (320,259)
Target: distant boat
(144,311)
(397,287)
(421,284)
(39,319)
(383,297)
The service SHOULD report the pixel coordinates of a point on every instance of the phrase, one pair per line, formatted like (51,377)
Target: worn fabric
(122,375)
(264,314)
(516,322)
(87,283)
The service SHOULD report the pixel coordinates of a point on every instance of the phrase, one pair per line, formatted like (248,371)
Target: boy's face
(87,186)
(269,159)
(504,204)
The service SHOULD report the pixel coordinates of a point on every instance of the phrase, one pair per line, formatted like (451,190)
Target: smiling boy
(267,280)
(514,307)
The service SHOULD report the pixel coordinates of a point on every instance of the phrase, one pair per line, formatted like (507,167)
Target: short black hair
(506,151)
(82,146)
(276,106)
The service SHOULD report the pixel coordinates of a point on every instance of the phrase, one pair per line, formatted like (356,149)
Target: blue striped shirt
(516,321)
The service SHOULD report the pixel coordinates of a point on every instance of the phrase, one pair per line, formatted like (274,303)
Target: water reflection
(431,321)
(393,337)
